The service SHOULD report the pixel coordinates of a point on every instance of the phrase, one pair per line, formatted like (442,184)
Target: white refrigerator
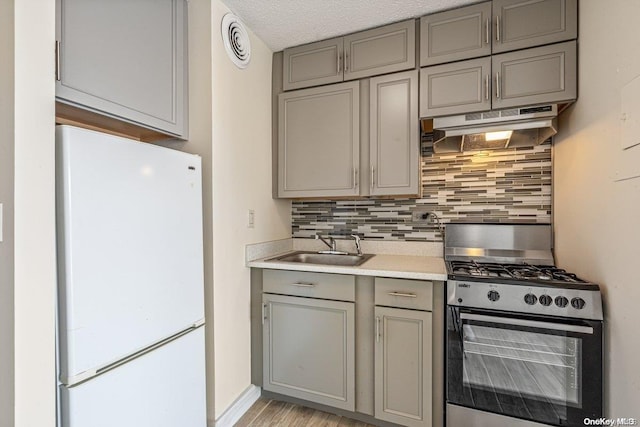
(130,286)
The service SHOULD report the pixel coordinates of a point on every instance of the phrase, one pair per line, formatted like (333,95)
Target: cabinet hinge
(264,313)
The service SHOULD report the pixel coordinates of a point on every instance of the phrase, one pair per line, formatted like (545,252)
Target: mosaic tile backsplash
(497,185)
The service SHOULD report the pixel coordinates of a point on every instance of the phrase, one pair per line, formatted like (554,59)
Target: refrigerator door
(163,388)
(130,247)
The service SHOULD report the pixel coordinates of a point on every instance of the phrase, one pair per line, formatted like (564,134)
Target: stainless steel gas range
(524,338)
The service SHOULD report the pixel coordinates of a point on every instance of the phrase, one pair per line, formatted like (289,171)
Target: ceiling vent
(236,40)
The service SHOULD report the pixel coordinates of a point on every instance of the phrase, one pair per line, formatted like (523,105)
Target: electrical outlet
(421,215)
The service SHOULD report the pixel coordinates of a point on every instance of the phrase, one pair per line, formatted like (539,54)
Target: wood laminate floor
(267,412)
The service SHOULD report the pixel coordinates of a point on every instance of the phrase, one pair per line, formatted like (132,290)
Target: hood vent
(498,129)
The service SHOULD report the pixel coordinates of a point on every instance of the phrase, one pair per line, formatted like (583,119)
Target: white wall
(35,250)
(200,131)
(6,198)
(241,181)
(596,218)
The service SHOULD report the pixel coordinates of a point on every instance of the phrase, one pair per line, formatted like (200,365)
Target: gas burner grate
(525,272)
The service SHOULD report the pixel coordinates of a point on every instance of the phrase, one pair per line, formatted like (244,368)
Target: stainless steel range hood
(510,128)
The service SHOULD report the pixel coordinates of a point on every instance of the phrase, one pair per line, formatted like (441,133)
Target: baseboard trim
(239,407)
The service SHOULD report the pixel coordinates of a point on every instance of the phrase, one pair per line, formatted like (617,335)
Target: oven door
(547,370)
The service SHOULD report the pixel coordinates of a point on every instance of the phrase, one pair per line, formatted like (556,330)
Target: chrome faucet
(331,243)
(357,241)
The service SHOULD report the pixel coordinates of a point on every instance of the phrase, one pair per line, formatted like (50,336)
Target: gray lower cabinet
(309,349)
(318,141)
(393,136)
(535,76)
(314,332)
(403,366)
(456,88)
(520,24)
(125,59)
(367,53)
(456,34)
(404,359)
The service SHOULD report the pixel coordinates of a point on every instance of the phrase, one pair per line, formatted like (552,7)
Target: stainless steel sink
(350,260)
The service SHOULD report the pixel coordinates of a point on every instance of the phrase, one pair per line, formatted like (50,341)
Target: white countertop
(398,266)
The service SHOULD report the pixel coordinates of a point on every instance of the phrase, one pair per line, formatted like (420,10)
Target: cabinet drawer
(305,284)
(415,294)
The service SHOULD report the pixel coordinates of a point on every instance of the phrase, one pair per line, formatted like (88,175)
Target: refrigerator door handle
(91,373)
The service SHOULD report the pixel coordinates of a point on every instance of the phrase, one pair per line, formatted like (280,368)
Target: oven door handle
(529,323)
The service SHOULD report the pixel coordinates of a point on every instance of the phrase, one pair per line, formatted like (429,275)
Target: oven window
(523,364)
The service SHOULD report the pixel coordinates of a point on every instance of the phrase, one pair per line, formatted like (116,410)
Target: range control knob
(577,303)
(562,302)
(493,296)
(546,300)
(530,299)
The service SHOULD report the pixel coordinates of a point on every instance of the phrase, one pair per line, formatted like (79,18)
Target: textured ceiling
(286,23)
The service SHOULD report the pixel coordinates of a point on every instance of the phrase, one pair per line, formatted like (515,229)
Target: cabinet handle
(498,28)
(377,328)
(57,60)
(486,87)
(403,294)
(355,177)
(338,59)
(486,31)
(304,285)
(346,61)
(264,311)
(497,84)
(373,174)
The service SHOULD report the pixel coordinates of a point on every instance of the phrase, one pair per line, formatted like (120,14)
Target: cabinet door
(403,366)
(125,59)
(526,23)
(457,88)
(462,33)
(318,141)
(380,50)
(313,64)
(394,138)
(309,349)
(535,76)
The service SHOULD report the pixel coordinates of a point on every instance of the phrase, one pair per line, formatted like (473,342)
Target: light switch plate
(627,157)
(251,216)
(630,135)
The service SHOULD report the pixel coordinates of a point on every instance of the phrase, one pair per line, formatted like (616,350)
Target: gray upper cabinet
(403,366)
(309,349)
(456,88)
(318,141)
(524,77)
(313,64)
(534,76)
(455,34)
(125,59)
(494,27)
(364,54)
(380,50)
(521,24)
(394,138)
